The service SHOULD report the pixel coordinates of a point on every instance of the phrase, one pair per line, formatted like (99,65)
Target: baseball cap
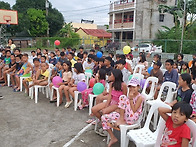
(134,82)
(158,63)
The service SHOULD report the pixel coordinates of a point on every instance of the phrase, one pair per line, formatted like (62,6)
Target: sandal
(90,120)
(17,90)
(53,101)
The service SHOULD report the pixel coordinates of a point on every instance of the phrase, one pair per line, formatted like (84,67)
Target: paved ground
(26,124)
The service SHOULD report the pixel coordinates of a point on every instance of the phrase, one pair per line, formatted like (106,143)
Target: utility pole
(183,25)
(47,6)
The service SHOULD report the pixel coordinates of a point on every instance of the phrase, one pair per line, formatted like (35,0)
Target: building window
(161,17)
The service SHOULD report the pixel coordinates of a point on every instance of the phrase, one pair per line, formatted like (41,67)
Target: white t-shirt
(78,77)
(86,65)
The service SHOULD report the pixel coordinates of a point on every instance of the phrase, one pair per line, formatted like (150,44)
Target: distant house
(94,36)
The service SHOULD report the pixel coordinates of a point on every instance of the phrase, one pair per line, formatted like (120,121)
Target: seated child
(67,75)
(121,65)
(130,109)
(52,59)
(5,64)
(12,66)
(99,78)
(41,76)
(77,77)
(23,72)
(184,68)
(17,68)
(117,88)
(57,70)
(176,133)
(35,68)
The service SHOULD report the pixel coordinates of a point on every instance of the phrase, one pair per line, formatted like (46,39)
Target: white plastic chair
(163,71)
(191,124)
(38,86)
(139,68)
(169,97)
(76,93)
(21,79)
(125,128)
(144,137)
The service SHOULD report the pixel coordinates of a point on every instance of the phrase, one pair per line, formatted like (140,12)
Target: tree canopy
(27,22)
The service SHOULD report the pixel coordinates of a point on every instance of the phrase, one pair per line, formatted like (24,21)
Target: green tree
(54,19)
(66,31)
(38,24)
(4,5)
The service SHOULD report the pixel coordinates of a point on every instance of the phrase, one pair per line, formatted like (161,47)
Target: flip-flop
(90,120)
(16,90)
(53,101)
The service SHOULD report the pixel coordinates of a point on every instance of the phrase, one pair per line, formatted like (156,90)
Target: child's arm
(137,105)
(109,96)
(163,112)
(185,142)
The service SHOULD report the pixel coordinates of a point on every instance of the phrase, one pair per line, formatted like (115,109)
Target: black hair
(43,57)
(39,54)
(121,61)
(35,59)
(7,51)
(181,55)
(68,64)
(85,52)
(102,74)
(32,51)
(111,54)
(62,54)
(25,54)
(193,69)
(170,61)
(184,107)
(46,50)
(81,47)
(91,56)
(186,77)
(92,50)
(108,58)
(19,56)
(143,58)
(69,47)
(72,54)
(101,59)
(122,56)
(53,53)
(79,68)
(186,64)
(39,49)
(17,49)
(96,59)
(158,56)
(11,40)
(117,84)
(13,55)
(74,50)
(117,55)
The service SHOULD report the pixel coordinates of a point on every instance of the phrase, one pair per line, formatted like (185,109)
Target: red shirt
(172,137)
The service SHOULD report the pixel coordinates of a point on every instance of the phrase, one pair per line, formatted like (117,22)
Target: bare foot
(112,141)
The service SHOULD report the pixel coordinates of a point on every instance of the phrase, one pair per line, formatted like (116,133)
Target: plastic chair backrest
(153,108)
(154,82)
(191,124)
(139,68)
(87,78)
(171,86)
(163,71)
(138,76)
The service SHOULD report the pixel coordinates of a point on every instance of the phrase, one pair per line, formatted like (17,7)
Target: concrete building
(134,20)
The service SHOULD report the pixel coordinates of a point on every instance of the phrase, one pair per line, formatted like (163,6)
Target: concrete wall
(147,18)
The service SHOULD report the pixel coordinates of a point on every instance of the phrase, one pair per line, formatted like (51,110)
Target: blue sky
(75,10)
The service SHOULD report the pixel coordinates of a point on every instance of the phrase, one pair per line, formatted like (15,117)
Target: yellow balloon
(126,49)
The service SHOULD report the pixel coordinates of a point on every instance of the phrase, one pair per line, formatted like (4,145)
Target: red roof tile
(97,32)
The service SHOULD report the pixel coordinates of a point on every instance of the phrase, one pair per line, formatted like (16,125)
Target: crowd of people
(121,102)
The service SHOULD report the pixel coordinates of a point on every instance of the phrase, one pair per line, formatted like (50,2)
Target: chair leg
(51,94)
(36,94)
(123,133)
(90,103)
(8,80)
(108,138)
(47,91)
(58,97)
(21,79)
(155,119)
(75,100)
